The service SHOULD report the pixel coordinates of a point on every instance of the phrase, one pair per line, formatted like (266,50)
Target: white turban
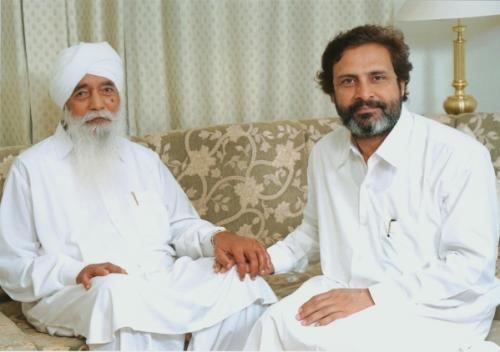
(75,62)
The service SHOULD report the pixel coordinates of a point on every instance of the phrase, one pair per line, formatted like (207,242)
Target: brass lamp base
(457,104)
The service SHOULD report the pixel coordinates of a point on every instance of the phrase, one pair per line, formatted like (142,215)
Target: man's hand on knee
(100,269)
(338,303)
(247,254)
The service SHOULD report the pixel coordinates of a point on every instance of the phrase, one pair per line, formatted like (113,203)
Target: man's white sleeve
(301,246)
(190,235)
(26,272)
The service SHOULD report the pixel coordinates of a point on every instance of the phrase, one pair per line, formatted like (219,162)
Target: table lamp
(418,10)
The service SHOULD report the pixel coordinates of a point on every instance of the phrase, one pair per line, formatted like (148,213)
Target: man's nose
(364,91)
(96,101)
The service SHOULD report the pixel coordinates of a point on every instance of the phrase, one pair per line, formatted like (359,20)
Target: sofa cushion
(249,178)
(24,337)
(11,338)
(442,118)
(485,127)
(315,129)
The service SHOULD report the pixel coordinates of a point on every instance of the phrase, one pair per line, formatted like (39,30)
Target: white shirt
(50,223)
(415,224)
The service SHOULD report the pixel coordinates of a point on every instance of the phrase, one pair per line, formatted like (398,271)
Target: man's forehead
(90,80)
(364,59)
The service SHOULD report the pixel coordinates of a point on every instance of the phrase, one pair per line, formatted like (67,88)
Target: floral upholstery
(485,127)
(29,338)
(250,178)
(246,177)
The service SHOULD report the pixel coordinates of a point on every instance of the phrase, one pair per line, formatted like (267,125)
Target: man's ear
(402,88)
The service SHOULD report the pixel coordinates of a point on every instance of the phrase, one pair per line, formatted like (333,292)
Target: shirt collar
(391,148)
(63,144)
(344,145)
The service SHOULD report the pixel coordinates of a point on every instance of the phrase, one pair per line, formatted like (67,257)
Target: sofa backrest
(485,127)
(251,177)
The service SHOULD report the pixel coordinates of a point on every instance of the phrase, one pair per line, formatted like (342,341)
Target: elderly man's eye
(81,94)
(109,90)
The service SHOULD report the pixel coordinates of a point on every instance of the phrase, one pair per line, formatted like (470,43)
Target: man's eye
(346,82)
(81,94)
(109,90)
(379,77)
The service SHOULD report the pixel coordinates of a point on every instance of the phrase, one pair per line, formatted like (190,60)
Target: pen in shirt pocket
(391,221)
(135,198)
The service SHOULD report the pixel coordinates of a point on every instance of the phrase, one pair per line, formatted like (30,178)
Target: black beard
(390,116)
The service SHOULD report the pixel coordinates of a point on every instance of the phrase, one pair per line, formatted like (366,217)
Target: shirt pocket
(150,217)
(399,250)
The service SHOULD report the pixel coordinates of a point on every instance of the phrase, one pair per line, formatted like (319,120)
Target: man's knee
(112,284)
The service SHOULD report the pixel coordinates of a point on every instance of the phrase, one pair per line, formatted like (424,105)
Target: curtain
(188,63)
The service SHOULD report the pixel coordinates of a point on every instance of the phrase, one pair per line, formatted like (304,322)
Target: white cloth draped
(229,335)
(378,328)
(52,224)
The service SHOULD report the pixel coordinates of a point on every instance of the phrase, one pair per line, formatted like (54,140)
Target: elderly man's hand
(338,303)
(93,270)
(247,254)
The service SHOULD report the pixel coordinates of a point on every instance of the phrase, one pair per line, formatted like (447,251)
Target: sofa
(248,177)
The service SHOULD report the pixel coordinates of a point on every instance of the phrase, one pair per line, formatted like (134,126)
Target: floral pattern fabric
(250,178)
(485,127)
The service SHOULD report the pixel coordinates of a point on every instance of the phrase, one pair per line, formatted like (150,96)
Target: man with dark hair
(401,211)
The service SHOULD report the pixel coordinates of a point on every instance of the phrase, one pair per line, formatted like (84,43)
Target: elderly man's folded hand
(100,269)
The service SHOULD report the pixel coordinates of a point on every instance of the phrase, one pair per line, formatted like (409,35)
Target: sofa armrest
(12,338)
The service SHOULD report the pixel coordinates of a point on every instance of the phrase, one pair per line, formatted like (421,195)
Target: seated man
(401,210)
(98,240)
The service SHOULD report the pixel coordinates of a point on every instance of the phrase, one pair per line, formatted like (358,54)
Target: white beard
(95,147)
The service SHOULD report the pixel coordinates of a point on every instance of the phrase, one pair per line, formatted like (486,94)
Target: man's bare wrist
(212,238)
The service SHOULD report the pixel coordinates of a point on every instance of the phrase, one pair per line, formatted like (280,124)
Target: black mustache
(370,103)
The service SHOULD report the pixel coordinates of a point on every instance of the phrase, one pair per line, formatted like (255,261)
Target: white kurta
(417,224)
(52,225)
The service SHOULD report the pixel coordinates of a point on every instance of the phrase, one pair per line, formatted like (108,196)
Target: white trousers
(229,334)
(374,329)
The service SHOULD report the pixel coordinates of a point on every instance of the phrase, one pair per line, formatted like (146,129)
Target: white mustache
(105,114)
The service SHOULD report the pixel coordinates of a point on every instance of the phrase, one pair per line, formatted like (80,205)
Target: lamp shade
(418,10)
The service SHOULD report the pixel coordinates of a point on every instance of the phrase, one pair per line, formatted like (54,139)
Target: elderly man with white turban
(98,240)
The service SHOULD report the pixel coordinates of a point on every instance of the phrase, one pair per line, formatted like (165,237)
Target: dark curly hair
(389,37)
